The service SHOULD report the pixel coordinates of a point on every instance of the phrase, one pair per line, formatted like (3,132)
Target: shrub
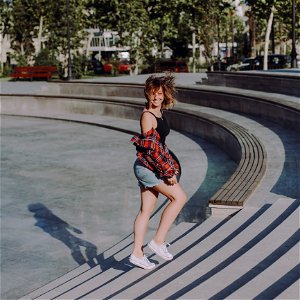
(45,58)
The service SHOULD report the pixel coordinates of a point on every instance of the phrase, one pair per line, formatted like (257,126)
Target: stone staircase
(253,254)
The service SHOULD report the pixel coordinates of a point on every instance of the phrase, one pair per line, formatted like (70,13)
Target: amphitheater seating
(237,257)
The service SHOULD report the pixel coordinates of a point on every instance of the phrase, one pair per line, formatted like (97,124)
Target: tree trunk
(252,33)
(194,51)
(273,36)
(22,48)
(39,38)
(267,37)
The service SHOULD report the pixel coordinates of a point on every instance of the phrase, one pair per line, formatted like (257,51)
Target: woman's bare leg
(148,202)
(178,198)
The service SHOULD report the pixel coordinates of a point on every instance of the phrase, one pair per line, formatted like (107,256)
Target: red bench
(33,72)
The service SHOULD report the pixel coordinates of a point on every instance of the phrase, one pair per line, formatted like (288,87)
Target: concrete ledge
(224,210)
(258,81)
(284,110)
(277,109)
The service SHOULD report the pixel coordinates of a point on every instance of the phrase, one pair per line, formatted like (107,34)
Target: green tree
(144,25)
(22,31)
(57,21)
(131,19)
(203,18)
(26,20)
(6,24)
(264,12)
(6,21)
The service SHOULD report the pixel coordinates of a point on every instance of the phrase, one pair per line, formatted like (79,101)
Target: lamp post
(294,52)
(69,77)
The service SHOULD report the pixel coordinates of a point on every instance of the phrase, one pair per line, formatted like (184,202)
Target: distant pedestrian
(155,170)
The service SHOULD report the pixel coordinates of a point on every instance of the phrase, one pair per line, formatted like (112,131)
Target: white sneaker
(141,262)
(160,250)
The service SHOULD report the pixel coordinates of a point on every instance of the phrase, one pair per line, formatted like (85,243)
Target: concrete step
(87,283)
(243,255)
(135,281)
(208,257)
(250,260)
(169,279)
(103,262)
(272,275)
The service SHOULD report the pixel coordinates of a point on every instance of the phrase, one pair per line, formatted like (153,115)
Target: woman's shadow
(62,231)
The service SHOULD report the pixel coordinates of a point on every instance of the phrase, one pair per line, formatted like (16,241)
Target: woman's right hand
(172,180)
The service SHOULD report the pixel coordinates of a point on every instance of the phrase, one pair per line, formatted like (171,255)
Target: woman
(155,170)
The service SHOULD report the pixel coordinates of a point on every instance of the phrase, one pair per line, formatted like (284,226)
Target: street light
(294,52)
(69,42)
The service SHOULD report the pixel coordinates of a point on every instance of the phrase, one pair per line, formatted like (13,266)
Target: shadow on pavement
(62,231)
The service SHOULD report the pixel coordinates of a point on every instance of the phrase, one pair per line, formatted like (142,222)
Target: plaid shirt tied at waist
(154,155)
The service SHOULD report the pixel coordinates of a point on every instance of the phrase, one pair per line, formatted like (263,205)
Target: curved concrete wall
(64,107)
(261,81)
(286,114)
(283,112)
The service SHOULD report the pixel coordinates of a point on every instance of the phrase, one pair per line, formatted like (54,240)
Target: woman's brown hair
(153,83)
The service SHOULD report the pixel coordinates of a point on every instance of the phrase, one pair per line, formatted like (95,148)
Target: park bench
(248,174)
(240,144)
(32,72)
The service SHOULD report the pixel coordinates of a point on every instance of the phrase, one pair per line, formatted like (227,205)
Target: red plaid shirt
(154,155)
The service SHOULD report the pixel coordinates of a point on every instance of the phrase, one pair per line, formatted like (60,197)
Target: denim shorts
(146,178)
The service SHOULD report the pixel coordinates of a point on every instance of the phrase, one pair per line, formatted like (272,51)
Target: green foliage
(79,64)
(57,24)
(5,16)
(22,60)
(144,25)
(24,20)
(132,21)
(23,23)
(282,24)
(45,58)
(7,69)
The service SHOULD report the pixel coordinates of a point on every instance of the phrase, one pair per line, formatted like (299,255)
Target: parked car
(124,67)
(176,66)
(219,66)
(108,68)
(222,64)
(275,61)
(246,64)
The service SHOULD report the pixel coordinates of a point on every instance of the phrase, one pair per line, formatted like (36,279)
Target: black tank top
(162,128)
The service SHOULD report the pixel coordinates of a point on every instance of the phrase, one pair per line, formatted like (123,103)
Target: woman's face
(157,97)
